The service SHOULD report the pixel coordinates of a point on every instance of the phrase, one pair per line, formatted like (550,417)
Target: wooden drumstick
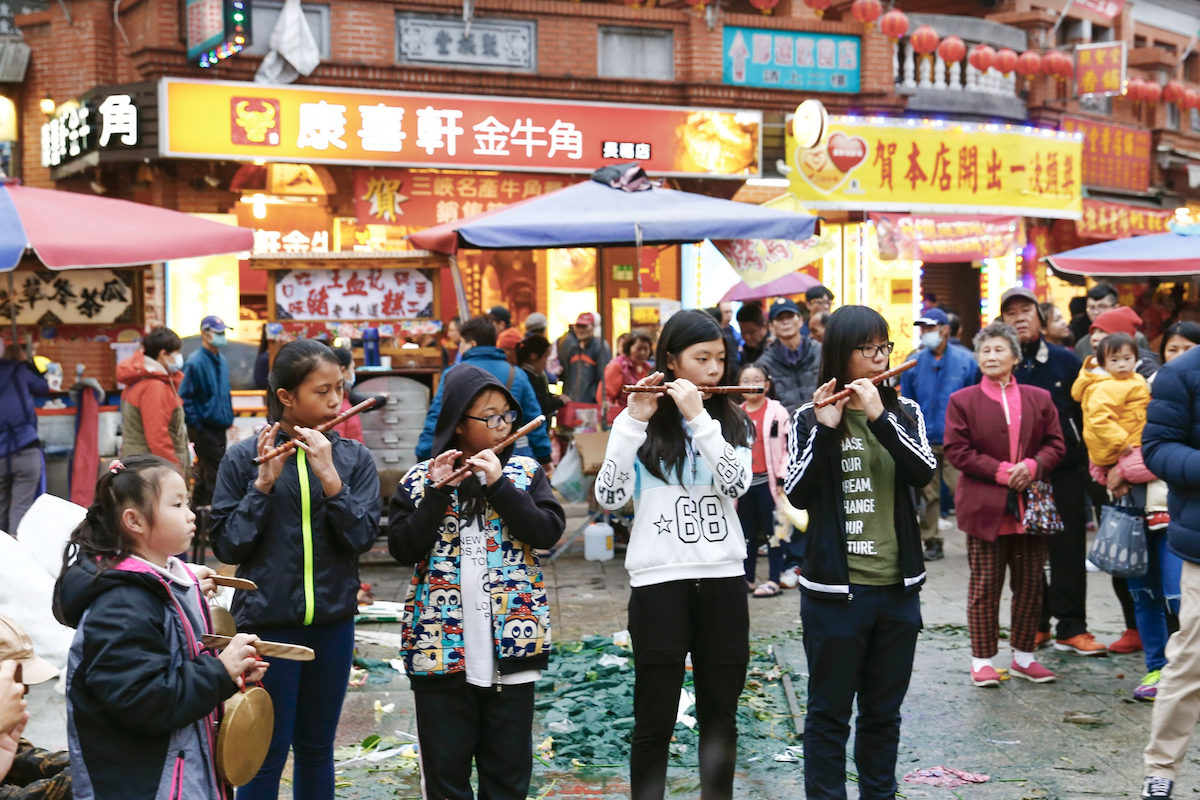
(288,652)
(878,379)
(245,584)
(464,471)
(292,444)
(662,389)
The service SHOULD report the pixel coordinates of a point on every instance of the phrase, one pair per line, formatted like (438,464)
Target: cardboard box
(592,447)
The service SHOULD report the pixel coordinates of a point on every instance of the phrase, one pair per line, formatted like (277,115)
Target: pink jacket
(774,431)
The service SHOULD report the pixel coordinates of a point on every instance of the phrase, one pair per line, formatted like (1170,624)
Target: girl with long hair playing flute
(684,458)
(296,525)
(852,464)
(476,622)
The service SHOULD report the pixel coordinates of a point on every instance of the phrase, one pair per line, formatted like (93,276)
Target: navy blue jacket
(1171,448)
(18,421)
(1055,369)
(933,380)
(493,360)
(207,402)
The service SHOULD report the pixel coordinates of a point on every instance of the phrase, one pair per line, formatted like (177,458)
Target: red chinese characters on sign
(419,199)
(1114,156)
(353,294)
(943,237)
(1100,69)
(1118,221)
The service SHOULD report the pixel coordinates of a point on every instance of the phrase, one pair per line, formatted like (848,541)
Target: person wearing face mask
(207,405)
(151,410)
(353,427)
(941,371)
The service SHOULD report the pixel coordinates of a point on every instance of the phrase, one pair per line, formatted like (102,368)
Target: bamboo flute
(524,430)
(292,444)
(880,378)
(662,389)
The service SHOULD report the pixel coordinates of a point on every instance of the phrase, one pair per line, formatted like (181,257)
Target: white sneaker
(790,578)
(945,525)
(1089,566)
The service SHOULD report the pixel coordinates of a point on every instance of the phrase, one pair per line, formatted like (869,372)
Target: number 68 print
(704,517)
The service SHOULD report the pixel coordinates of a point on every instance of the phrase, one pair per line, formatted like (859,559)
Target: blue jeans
(307,696)
(1152,593)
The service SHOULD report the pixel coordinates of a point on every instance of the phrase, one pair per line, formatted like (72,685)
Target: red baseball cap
(585,319)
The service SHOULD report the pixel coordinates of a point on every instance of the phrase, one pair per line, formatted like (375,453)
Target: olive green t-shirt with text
(869,491)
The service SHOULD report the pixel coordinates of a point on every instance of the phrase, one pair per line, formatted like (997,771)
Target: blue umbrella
(593,214)
(1160,254)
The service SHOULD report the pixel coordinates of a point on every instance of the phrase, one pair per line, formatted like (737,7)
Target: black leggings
(710,619)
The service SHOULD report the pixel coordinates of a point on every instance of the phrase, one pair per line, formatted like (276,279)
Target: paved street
(1016,734)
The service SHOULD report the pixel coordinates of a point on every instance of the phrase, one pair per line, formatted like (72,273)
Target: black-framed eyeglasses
(872,350)
(494,420)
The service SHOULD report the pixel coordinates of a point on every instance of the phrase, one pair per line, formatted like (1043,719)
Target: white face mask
(350,381)
(932,340)
(178,361)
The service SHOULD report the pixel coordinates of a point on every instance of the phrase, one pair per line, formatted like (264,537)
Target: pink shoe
(985,677)
(1035,672)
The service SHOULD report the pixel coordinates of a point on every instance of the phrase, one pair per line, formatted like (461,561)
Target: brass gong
(244,735)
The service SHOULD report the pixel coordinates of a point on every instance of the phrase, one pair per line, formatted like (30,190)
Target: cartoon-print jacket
(521,516)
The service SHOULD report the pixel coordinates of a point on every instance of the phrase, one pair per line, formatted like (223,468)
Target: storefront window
(1172,116)
(646,53)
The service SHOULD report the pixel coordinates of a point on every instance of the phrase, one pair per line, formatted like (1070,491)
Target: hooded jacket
(521,516)
(814,482)
(1114,412)
(298,545)
(142,697)
(932,382)
(493,360)
(774,432)
(151,410)
(18,421)
(582,366)
(207,400)
(794,377)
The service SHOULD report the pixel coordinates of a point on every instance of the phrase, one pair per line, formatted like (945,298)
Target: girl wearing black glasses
(853,465)
(476,622)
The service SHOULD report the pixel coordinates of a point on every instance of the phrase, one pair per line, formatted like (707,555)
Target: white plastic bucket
(598,542)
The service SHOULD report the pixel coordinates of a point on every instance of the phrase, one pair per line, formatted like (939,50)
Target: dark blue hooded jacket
(1171,448)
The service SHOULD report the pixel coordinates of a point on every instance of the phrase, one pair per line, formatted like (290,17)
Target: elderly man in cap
(583,357)
(26,773)
(207,405)
(1054,369)
(793,358)
(941,370)
(508,336)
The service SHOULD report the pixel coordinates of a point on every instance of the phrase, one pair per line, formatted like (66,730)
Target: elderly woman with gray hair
(1002,436)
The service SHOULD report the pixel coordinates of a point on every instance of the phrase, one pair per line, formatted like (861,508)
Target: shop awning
(68,230)
(1157,255)
(592,214)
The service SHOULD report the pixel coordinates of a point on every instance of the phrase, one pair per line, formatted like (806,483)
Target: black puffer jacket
(1171,448)
(794,383)
(138,697)
(305,575)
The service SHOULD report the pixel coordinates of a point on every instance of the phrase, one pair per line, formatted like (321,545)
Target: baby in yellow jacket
(1114,399)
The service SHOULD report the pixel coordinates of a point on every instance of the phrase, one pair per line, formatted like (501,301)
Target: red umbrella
(68,230)
(792,283)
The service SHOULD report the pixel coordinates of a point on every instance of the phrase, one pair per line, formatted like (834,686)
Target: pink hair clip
(115,466)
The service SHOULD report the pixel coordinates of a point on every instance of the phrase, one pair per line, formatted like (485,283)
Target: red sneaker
(1035,672)
(1041,640)
(1084,644)
(985,677)
(1130,642)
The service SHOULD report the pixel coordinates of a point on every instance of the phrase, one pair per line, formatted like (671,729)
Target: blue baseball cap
(934,316)
(782,306)
(212,323)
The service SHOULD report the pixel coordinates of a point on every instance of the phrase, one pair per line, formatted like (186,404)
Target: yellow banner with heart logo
(931,166)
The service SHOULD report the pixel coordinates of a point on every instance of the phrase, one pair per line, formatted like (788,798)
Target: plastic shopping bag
(568,477)
(1120,545)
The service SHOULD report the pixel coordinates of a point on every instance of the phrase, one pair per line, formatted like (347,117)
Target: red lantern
(1173,92)
(1191,99)
(1006,60)
(982,57)
(1029,63)
(1058,64)
(1134,89)
(1151,92)
(924,40)
(866,11)
(894,24)
(818,6)
(952,50)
